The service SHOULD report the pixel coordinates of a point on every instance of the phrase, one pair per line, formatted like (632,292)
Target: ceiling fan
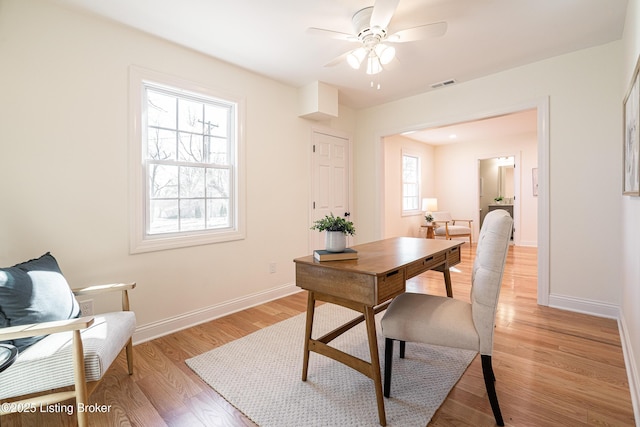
(371,31)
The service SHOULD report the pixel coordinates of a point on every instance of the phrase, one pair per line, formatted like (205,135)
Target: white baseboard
(594,308)
(632,371)
(174,324)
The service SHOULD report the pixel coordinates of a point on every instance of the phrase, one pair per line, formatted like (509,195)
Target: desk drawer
(425,264)
(453,257)
(390,285)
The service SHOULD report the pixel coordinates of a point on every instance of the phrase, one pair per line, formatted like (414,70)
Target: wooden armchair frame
(453,222)
(81,390)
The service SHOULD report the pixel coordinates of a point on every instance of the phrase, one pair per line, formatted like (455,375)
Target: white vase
(335,241)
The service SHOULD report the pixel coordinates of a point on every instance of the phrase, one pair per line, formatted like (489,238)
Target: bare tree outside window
(189,162)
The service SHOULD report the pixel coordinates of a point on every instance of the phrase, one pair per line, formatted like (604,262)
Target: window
(187,159)
(410,183)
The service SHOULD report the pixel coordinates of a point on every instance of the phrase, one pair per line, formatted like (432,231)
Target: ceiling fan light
(373,64)
(385,53)
(356,57)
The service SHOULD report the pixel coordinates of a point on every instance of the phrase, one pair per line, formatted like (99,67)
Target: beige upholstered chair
(76,352)
(449,228)
(449,322)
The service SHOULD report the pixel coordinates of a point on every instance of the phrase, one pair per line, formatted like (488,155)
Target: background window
(410,183)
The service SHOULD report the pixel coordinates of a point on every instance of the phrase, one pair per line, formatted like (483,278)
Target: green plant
(429,218)
(334,223)
(498,199)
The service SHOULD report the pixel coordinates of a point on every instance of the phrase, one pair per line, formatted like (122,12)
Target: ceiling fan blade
(337,60)
(333,34)
(421,32)
(383,11)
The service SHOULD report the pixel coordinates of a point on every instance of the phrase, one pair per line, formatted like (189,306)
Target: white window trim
(139,241)
(417,211)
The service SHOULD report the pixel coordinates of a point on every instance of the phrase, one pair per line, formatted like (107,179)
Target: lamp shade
(385,53)
(430,205)
(373,64)
(356,57)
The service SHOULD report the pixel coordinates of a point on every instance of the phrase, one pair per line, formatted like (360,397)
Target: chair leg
(388,357)
(129,351)
(489,382)
(80,383)
(403,345)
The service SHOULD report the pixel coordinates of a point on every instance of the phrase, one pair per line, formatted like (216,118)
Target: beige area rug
(260,374)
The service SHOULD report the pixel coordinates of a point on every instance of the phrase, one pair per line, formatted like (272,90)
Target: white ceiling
(270,37)
(492,128)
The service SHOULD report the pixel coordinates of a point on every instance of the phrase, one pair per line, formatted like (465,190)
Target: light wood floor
(553,367)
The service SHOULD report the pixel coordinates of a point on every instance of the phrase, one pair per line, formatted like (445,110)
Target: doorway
(455,169)
(497,187)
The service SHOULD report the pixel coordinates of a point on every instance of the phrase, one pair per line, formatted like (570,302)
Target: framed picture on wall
(631,149)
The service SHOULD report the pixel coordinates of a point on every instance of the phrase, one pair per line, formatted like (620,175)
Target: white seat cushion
(48,364)
(431,319)
(454,230)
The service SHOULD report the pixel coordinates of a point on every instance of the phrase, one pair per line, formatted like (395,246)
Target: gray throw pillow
(32,292)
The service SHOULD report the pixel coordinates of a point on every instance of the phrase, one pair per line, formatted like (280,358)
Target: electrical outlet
(86,307)
(272,267)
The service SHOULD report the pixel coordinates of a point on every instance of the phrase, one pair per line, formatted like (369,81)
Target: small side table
(8,355)
(430,234)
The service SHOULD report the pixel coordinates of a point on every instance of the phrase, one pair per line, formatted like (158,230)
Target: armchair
(74,352)
(449,228)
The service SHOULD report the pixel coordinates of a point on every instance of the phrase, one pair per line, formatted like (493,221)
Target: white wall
(65,176)
(584,152)
(395,224)
(630,320)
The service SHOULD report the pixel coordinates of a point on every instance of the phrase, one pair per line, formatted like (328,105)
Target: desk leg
(447,281)
(375,362)
(311,305)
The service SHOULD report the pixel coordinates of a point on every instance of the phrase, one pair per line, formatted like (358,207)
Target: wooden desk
(367,285)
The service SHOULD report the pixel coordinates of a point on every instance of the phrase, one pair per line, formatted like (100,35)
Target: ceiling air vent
(444,83)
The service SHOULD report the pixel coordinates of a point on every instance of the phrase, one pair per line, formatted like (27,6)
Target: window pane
(218,151)
(215,120)
(191,182)
(192,215)
(161,110)
(162,144)
(218,213)
(218,183)
(163,216)
(409,169)
(163,181)
(190,148)
(190,116)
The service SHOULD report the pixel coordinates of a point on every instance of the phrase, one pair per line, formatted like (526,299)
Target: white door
(330,180)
